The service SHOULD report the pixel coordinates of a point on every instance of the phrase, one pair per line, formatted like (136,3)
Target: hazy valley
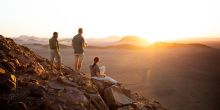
(183,77)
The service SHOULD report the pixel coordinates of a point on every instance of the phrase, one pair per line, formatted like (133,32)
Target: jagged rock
(35,68)
(39,69)
(73,97)
(7,81)
(102,85)
(65,81)
(45,76)
(115,97)
(55,85)
(9,66)
(2,71)
(25,61)
(88,85)
(75,78)
(68,71)
(35,90)
(12,53)
(15,62)
(97,101)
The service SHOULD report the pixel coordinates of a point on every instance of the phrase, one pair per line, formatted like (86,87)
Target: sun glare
(154,39)
(161,20)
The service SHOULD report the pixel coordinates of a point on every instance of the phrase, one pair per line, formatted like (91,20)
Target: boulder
(115,97)
(2,70)
(9,66)
(7,81)
(36,90)
(73,96)
(55,85)
(12,53)
(97,101)
(45,76)
(39,69)
(15,62)
(65,81)
(23,60)
(35,68)
(101,85)
(87,84)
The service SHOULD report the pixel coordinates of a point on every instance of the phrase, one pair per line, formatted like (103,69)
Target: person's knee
(77,60)
(81,60)
(80,63)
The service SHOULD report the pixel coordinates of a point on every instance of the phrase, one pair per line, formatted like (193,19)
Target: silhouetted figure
(55,50)
(78,44)
(98,73)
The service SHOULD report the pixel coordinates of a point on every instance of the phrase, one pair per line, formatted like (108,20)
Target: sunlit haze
(152,19)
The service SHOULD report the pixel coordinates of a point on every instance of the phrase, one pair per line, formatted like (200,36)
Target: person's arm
(84,43)
(57,45)
(73,43)
(49,43)
(98,71)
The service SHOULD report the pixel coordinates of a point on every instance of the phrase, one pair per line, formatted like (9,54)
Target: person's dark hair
(80,30)
(96,60)
(55,33)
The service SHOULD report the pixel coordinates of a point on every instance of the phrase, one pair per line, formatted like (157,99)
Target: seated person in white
(98,73)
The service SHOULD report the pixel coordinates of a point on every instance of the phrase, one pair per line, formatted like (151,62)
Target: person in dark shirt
(78,44)
(55,50)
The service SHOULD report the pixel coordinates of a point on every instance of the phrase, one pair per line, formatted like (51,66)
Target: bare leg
(51,64)
(52,59)
(76,63)
(79,65)
(59,60)
(80,61)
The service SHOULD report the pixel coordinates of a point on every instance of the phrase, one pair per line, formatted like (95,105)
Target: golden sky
(151,19)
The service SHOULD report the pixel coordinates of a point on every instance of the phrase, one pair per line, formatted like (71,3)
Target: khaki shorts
(79,57)
(55,55)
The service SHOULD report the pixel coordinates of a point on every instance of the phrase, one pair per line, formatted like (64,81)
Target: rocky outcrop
(28,83)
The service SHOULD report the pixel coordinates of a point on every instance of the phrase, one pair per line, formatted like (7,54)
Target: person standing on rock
(78,44)
(55,51)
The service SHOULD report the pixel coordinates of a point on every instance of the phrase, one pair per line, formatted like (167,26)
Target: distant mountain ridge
(122,42)
(25,39)
(157,45)
(133,40)
(176,45)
